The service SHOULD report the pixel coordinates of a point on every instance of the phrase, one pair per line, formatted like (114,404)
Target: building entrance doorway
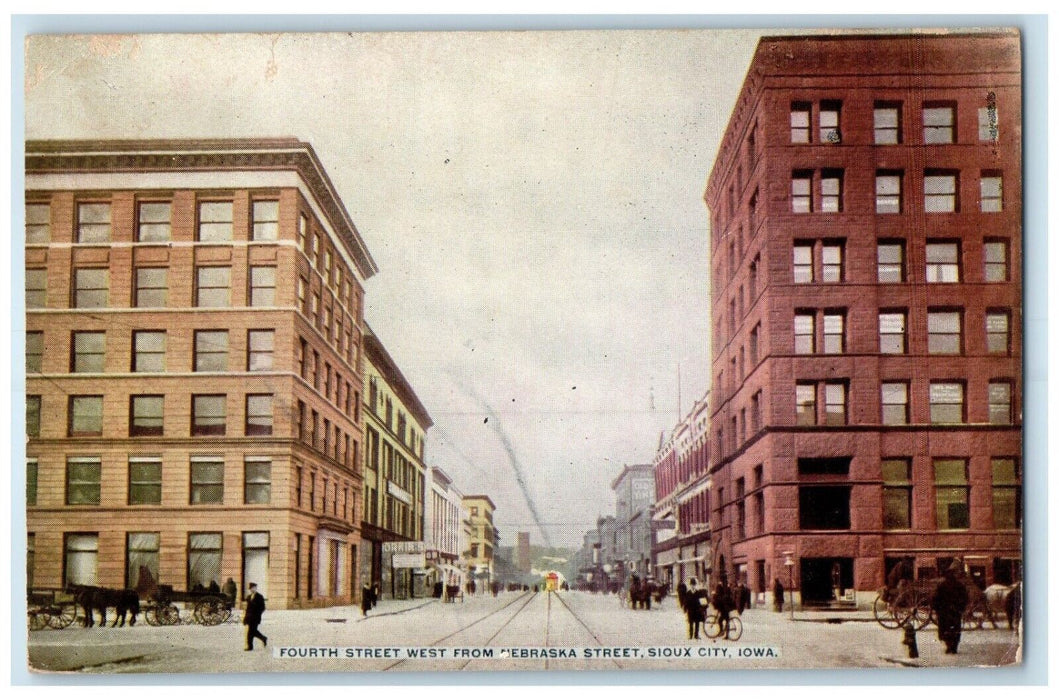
(826,579)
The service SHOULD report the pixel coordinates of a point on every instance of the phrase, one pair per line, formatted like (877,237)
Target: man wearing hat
(255,607)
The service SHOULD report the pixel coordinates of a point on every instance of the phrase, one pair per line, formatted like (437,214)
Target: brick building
(482,538)
(395,425)
(866,308)
(193,354)
(681,513)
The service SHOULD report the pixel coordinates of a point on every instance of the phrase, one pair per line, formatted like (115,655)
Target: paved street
(511,620)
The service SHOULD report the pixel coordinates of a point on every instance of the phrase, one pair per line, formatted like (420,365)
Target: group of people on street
(695,602)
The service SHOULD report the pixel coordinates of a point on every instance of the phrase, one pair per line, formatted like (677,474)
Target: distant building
(444,535)
(634,494)
(483,539)
(395,426)
(866,211)
(193,361)
(681,513)
(523,560)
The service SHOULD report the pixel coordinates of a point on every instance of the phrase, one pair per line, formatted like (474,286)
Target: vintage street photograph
(589,350)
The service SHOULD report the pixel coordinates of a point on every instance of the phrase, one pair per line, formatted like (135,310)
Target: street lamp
(789,563)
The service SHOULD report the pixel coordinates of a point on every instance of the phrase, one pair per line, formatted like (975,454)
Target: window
(1000,403)
(34,351)
(148,352)
(259,349)
(314,251)
(803,263)
(804,334)
(892,332)
(80,553)
(31,482)
(36,288)
(33,416)
(314,309)
(946,402)
(995,256)
(208,414)
(887,119)
(950,485)
(255,559)
(887,192)
(86,416)
(266,221)
(755,332)
(152,287)
(832,262)
(38,223)
(943,262)
(213,286)
(82,481)
(215,221)
(93,223)
(303,303)
(834,404)
(805,396)
(88,352)
(91,287)
(800,113)
(939,123)
(987,122)
(262,286)
(895,403)
(146,415)
(997,338)
(992,191)
(154,222)
(891,261)
(897,494)
(204,558)
(258,414)
(831,191)
(801,191)
(141,558)
(944,333)
(211,351)
(834,333)
(823,507)
(939,191)
(257,480)
(1007,493)
(207,480)
(303,230)
(829,119)
(145,481)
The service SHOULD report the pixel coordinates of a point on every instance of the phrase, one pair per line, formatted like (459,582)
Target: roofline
(378,356)
(480,497)
(629,468)
(161,155)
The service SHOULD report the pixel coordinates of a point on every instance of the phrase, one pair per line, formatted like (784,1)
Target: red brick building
(194,371)
(866,250)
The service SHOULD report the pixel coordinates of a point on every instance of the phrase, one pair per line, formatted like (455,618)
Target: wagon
(911,603)
(207,608)
(50,608)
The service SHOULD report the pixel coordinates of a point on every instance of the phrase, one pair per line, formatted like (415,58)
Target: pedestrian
(901,575)
(1013,605)
(230,590)
(682,590)
(693,607)
(376,593)
(950,600)
(365,600)
(777,596)
(723,603)
(255,608)
(742,597)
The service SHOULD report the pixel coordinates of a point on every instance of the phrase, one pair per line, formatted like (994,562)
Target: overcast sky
(533,201)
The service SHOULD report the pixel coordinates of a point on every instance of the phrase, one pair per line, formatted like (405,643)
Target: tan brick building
(194,316)
(482,538)
(866,208)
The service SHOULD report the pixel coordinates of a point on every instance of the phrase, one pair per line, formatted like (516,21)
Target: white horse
(1006,601)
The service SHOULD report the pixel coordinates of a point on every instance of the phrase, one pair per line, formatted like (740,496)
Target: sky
(533,201)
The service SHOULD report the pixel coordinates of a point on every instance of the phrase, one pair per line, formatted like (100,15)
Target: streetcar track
(508,622)
(467,627)
(587,628)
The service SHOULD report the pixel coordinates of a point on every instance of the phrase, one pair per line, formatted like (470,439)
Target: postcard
(541,350)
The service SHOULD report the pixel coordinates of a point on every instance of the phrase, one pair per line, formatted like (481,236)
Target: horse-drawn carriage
(911,603)
(50,608)
(206,607)
(58,608)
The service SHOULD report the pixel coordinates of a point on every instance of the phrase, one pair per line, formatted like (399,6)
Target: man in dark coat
(777,596)
(255,608)
(950,600)
(724,603)
(365,599)
(693,608)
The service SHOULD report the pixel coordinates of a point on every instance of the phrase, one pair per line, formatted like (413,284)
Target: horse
(1006,600)
(92,598)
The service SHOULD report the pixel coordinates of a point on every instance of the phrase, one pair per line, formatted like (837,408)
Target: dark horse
(92,598)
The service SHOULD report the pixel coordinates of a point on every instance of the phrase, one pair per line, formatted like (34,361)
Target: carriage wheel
(922,613)
(62,615)
(885,615)
(38,620)
(150,616)
(167,614)
(976,615)
(211,611)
